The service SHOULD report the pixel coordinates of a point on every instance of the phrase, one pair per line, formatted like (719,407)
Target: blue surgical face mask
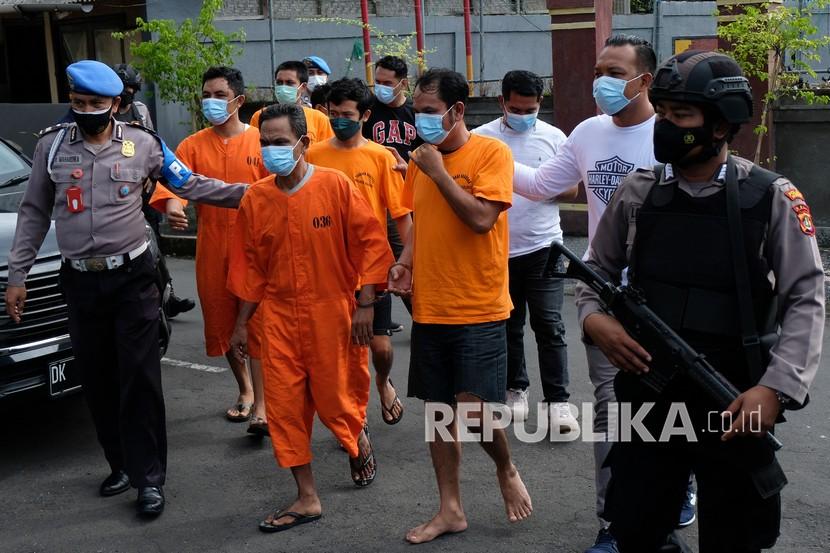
(520,123)
(286,94)
(430,127)
(215,110)
(609,94)
(385,94)
(280,159)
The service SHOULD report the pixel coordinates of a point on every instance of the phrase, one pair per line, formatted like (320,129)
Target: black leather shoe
(114,484)
(150,501)
(176,305)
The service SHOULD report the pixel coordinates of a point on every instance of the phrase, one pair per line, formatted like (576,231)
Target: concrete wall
(672,20)
(510,42)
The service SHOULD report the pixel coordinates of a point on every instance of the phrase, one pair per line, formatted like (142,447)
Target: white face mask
(316,80)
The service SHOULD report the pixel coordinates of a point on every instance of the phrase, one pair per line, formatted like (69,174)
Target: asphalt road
(221,481)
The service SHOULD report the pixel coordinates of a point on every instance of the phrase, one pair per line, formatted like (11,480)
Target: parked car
(37,353)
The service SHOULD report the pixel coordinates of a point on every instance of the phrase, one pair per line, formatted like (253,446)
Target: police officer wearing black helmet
(725,253)
(131,110)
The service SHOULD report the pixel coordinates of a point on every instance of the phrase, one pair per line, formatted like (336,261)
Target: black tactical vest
(682,261)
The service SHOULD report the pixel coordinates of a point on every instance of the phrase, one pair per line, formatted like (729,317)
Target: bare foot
(258,411)
(441,524)
(391,405)
(516,499)
(309,505)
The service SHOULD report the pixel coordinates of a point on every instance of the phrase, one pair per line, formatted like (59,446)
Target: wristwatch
(784,400)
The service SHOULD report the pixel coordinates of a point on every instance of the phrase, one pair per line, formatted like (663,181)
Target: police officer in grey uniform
(88,175)
(724,252)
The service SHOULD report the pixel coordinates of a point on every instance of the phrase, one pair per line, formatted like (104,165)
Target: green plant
(760,40)
(179,53)
(383,44)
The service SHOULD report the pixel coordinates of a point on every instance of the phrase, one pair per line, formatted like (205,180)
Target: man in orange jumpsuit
(372,169)
(454,264)
(291,84)
(228,150)
(302,239)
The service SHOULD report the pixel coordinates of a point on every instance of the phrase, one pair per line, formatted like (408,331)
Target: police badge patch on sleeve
(805,219)
(793,194)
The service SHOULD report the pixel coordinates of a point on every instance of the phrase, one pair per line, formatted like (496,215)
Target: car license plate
(63,377)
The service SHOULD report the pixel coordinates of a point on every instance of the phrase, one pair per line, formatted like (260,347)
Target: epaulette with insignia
(53,128)
(139,126)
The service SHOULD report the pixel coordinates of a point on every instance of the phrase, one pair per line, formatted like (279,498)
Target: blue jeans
(543,297)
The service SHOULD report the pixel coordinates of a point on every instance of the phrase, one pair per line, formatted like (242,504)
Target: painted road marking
(194,366)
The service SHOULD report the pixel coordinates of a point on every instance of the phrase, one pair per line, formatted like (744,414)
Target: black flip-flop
(240,407)
(385,410)
(298,519)
(258,427)
(361,482)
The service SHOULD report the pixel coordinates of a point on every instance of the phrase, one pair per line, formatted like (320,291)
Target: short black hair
(350,89)
(320,95)
(232,75)
(394,63)
(523,83)
(295,114)
(645,52)
(451,85)
(297,66)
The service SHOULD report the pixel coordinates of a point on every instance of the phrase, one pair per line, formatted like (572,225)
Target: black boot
(176,305)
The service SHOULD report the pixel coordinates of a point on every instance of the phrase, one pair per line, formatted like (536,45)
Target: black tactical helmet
(707,78)
(128,75)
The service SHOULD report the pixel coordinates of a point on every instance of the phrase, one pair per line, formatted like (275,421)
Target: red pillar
(746,141)
(578,31)
(419,36)
(468,44)
(367,44)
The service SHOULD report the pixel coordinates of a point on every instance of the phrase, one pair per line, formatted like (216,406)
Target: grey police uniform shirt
(793,255)
(111,180)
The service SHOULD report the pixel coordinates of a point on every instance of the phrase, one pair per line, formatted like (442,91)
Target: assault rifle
(628,306)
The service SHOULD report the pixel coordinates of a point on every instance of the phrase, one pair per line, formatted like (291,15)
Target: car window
(13,178)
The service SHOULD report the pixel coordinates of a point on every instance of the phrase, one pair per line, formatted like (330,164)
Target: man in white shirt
(600,152)
(533,227)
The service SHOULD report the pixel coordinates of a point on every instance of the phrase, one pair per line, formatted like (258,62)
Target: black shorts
(382,322)
(447,360)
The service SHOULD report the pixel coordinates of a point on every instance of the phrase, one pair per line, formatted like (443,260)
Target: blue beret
(94,77)
(320,63)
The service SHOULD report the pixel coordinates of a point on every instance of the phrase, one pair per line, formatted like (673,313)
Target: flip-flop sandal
(258,427)
(361,482)
(240,407)
(365,429)
(298,519)
(394,419)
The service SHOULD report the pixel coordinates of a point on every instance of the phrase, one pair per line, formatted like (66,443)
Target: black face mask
(127,99)
(93,123)
(672,144)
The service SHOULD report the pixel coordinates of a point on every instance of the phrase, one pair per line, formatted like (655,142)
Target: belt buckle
(96,264)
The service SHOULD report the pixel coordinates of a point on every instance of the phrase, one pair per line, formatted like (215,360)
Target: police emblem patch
(805,219)
(128,148)
(793,194)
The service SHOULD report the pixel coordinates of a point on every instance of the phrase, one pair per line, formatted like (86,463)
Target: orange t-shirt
(460,276)
(371,168)
(317,124)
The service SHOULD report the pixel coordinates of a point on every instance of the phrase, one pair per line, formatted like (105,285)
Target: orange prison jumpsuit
(299,254)
(237,159)
(318,127)
(372,170)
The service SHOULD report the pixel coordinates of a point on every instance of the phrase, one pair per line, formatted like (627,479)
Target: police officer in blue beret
(88,175)
(318,71)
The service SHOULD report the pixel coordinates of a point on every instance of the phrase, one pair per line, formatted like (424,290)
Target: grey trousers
(601,373)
